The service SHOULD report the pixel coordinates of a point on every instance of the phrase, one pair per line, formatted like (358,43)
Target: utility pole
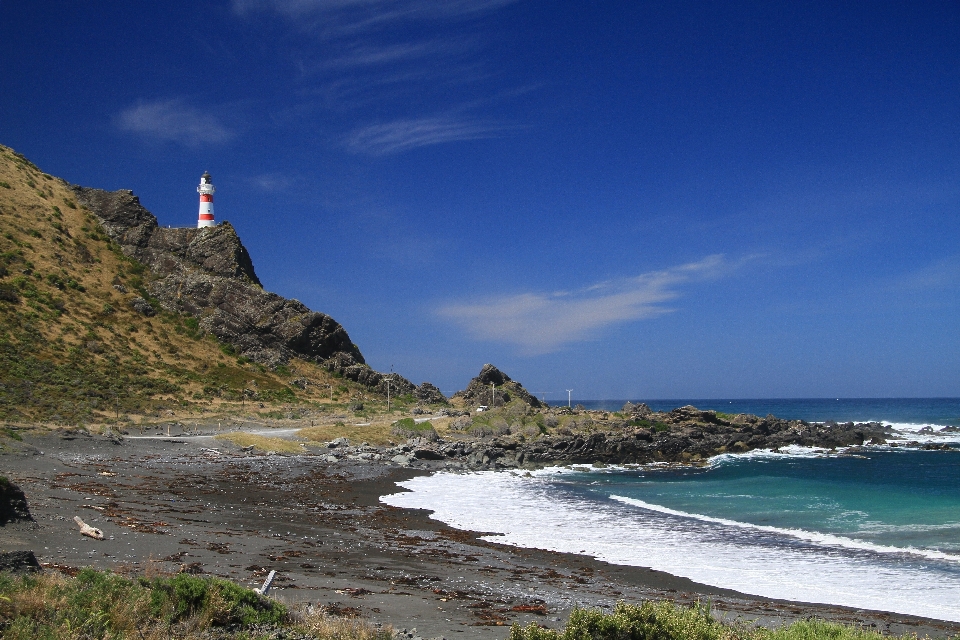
(388,387)
(493,395)
(569,391)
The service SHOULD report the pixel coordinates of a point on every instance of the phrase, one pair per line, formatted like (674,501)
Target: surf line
(826,539)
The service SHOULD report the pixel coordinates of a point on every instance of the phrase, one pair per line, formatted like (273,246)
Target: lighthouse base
(205,223)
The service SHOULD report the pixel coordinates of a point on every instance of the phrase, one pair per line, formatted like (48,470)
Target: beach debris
(108,474)
(538,609)
(87,530)
(266,583)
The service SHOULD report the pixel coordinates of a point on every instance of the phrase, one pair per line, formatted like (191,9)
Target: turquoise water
(876,527)
(933,411)
(895,498)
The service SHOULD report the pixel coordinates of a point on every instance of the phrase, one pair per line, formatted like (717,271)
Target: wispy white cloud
(940,274)
(366,14)
(402,135)
(173,121)
(367,55)
(272,181)
(543,322)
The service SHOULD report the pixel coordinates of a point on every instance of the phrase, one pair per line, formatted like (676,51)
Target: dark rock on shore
(494,388)
(684,435)
(19,562)
(208,273)
(13,504)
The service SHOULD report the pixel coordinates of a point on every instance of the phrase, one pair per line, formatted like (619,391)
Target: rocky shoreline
(198,505)
(685,435)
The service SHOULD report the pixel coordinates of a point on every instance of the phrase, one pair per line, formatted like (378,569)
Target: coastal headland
(151,387)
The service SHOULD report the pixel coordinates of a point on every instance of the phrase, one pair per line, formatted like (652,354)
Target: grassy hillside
(73,349)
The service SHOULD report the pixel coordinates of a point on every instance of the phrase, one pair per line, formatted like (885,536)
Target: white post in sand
(266,583)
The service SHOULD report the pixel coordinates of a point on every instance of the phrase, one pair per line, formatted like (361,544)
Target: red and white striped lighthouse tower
(206,190)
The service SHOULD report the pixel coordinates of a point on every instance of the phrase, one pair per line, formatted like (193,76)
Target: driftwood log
(87,530)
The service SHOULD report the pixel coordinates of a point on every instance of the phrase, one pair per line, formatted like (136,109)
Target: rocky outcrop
(344,364)
(13,504)
(208,273)
(493,387)
(19,562)
(684,435)
(427,393)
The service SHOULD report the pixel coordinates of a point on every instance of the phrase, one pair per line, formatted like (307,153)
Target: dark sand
(167,505)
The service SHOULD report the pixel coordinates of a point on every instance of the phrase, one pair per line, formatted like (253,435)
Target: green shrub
(9,294)
(13,435)
(97,604)
(653,426)
(668,621)
(410,428)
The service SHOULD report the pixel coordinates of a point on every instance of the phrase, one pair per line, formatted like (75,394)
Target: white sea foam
(825,539)
(534,512)
(912,431)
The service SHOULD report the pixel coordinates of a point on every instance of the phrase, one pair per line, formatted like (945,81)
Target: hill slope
(104,313)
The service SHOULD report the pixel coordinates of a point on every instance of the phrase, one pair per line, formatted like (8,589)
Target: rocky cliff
(208,273)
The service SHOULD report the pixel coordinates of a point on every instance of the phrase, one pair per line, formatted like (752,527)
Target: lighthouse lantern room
(206,190)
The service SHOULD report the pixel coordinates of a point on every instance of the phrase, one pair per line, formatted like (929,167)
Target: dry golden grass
(263,443)
(377,432)
(319,625)
(70,279)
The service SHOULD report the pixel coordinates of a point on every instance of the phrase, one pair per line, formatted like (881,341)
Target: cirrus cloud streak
(544,322)
(173,121)
(402,135)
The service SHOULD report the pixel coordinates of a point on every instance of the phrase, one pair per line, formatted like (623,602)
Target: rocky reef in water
(684,435)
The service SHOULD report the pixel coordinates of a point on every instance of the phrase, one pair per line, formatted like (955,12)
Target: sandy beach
(169,504)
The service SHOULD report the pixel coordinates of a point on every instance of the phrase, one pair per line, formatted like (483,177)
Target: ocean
(877,528)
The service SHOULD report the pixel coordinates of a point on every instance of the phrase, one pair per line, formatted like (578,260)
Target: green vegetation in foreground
(97,604)
(668,621)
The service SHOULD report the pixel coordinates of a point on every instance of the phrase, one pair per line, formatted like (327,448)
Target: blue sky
(634,201)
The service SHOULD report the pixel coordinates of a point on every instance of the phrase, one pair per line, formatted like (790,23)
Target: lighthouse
(206,190)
